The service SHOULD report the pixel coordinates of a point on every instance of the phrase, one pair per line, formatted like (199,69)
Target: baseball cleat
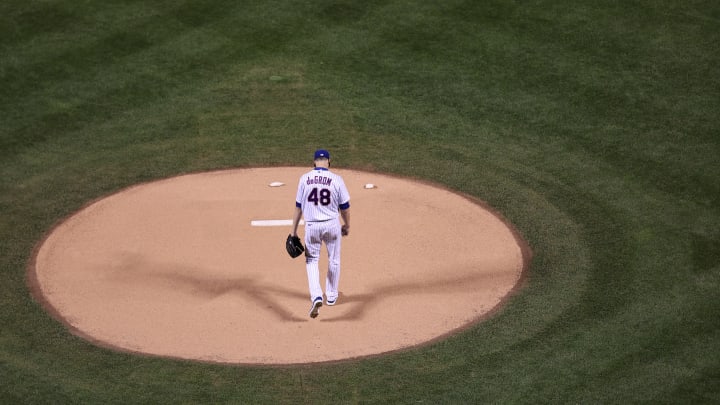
(331,302)
(315,307)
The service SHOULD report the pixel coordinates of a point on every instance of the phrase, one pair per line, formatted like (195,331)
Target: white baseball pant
(315,234)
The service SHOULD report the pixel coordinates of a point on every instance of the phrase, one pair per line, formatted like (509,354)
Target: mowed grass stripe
(108,70)
(589,126)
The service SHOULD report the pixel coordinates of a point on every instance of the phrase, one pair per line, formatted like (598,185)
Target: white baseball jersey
(321,194)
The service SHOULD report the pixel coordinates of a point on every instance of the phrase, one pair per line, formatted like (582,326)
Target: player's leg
(332,281)
(313,244)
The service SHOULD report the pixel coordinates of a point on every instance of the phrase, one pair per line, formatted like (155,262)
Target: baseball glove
(293,246)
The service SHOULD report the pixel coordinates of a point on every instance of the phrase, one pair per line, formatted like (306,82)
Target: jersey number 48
(319,197)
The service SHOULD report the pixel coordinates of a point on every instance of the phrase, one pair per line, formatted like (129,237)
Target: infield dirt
(175,268)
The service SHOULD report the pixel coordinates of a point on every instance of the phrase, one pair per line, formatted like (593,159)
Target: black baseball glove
(293,246)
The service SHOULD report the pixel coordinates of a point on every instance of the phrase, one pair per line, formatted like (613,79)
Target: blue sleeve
(345,206)
(298,205)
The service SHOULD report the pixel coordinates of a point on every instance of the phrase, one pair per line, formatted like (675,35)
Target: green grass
(591,126)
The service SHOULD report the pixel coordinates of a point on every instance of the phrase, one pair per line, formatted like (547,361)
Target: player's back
(321,193)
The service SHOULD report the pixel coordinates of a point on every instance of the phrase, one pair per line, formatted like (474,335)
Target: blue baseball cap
(322,154)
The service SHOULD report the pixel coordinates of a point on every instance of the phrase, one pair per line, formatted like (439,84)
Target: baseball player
(322,197)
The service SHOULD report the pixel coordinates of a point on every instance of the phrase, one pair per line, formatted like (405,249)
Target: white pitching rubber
(273,222)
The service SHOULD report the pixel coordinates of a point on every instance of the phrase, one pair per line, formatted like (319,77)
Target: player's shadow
(263,295)
(365,304)
(197,282)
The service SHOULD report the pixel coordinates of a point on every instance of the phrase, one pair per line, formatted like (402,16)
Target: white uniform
(321,195)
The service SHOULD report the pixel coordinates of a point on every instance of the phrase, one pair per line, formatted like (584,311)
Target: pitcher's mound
(195,267)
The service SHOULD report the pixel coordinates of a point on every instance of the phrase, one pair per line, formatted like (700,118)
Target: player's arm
(344,195)
(297,214)
(345,214)
(296,219)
